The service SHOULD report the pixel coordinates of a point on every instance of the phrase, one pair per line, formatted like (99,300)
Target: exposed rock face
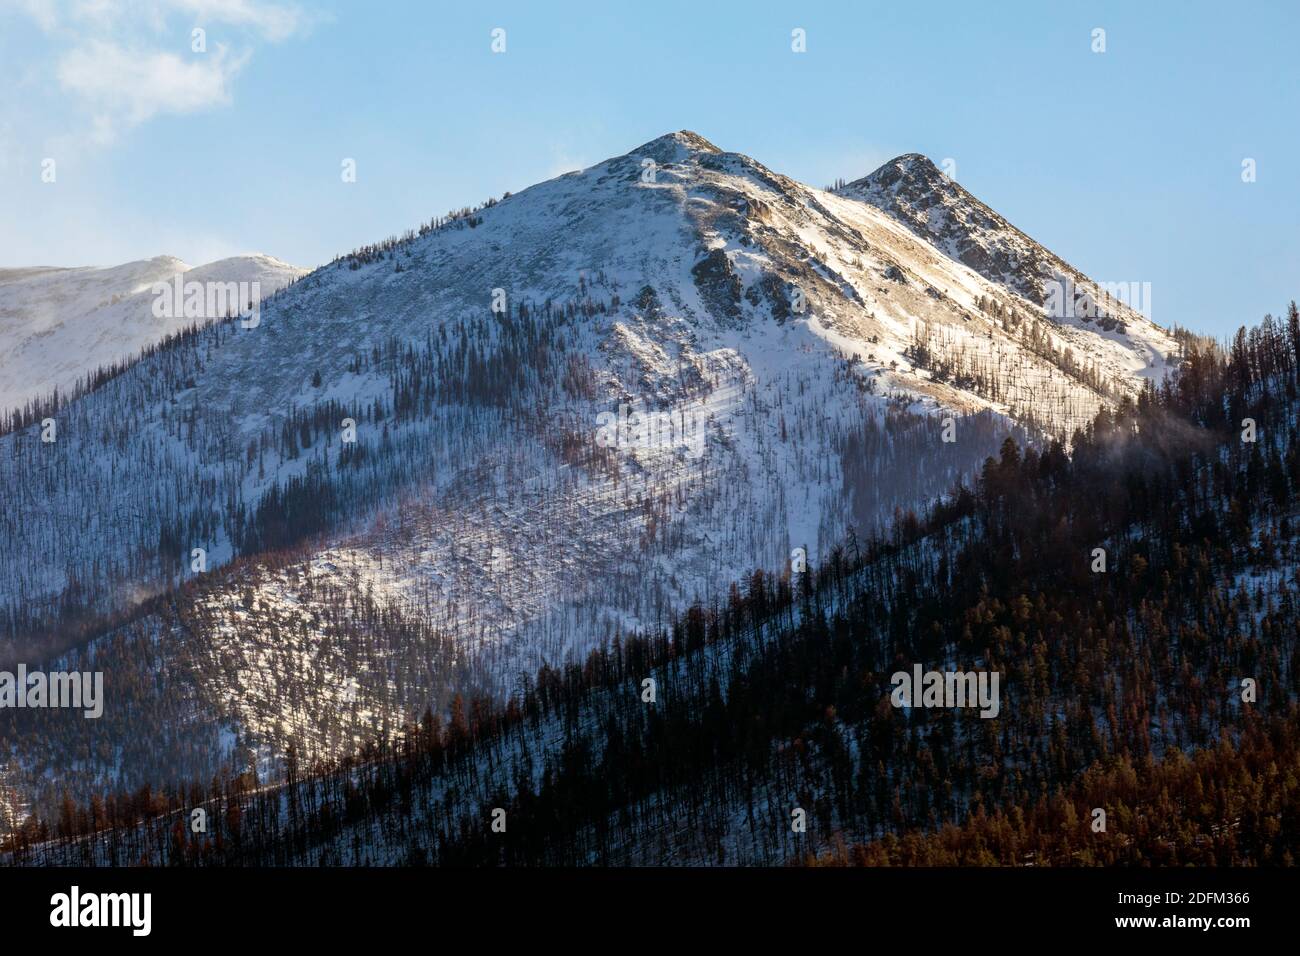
(919,195)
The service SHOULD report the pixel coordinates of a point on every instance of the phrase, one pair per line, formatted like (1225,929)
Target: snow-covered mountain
(502,504)
(59,325)
(935,207)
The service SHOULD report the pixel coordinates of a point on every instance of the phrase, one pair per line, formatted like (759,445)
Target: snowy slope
(816,340)
(57,325)
(913,191)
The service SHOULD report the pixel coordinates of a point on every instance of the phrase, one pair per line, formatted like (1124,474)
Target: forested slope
(1120,688)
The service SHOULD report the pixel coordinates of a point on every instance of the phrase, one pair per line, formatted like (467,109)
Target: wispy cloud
(128,87)
(44,14)
(120,63)
(275,22)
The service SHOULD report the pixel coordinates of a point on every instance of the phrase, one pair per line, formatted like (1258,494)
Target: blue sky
(1127,162)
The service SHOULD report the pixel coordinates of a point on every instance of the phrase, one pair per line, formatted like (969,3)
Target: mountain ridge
(60,324)
(914,191)
(821,345)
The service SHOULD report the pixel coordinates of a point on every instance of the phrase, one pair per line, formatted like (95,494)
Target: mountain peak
(675,147)
(800,341)
(910,160)
(910,172)
(915,192)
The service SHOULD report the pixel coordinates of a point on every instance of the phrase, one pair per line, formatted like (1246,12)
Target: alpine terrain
(640,406)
